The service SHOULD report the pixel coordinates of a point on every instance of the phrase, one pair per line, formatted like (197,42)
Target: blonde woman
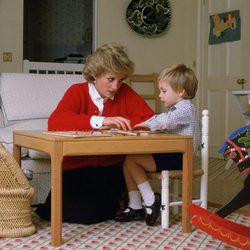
(93,185)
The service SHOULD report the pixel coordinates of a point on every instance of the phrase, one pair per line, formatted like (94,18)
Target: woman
(104,101)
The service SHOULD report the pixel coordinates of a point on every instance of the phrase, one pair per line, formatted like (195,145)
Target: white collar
(95,96)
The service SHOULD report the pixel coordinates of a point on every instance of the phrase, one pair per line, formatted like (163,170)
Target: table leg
(187,183)
(56,195)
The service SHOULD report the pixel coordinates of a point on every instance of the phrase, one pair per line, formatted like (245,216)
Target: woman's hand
(117,122)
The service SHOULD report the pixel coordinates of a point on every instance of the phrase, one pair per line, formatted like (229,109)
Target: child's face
(168,96)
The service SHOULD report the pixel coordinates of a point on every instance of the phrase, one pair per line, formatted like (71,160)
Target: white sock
(135,201)
(147,193)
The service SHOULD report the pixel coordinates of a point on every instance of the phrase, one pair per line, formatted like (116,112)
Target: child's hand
(141,126)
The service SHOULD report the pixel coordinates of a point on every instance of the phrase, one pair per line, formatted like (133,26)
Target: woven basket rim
(18,232)
(14,168)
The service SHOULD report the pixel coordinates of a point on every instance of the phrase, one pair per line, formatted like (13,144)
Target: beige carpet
(111,235)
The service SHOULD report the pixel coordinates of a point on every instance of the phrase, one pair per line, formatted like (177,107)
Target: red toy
(220,228)
(235,148)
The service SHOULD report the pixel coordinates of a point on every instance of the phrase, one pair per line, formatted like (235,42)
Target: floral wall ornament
(225,27)
(149,18)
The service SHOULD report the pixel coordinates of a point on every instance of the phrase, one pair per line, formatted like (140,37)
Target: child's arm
(171,120)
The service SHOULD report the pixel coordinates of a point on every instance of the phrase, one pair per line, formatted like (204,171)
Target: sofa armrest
(1,119)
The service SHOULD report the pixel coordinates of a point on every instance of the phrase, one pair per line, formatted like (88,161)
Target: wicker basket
(15,197)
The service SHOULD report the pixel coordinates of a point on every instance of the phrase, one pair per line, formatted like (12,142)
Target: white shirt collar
(95,96)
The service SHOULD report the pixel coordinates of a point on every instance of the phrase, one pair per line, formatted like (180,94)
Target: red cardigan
(76,108)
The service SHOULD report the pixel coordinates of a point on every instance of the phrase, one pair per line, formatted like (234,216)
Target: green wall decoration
(225,27)
(150,18)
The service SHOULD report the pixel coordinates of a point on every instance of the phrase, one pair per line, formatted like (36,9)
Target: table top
(114,137)
(117,144)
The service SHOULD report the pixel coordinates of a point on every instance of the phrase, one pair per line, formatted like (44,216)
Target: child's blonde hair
(108,58)
(180,78)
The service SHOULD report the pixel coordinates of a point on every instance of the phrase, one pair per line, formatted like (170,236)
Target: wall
(11,33)
(178,45)
(149,54)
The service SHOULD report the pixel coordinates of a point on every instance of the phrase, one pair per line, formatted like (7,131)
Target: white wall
(177,45)
(11,34)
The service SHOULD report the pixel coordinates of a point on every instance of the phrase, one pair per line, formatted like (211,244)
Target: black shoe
(130,214)
(156,207)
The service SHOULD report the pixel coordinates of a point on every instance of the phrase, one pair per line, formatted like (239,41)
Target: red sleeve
(137,110)
(76,108)
(73,111)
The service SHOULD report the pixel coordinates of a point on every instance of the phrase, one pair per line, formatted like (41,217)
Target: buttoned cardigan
(76,108)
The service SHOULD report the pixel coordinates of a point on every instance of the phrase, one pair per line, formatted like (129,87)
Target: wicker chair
(15,197)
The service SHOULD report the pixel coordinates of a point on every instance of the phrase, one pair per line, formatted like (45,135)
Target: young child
(178,85)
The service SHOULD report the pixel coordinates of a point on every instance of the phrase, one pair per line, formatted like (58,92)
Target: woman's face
(108,84)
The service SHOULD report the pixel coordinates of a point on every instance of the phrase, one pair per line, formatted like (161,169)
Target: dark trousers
(90,195)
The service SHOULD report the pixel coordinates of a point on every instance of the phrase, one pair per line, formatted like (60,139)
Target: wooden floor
(223,184)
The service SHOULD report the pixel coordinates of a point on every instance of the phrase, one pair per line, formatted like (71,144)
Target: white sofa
(27,100)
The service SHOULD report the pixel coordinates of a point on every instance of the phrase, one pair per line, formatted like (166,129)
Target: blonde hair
(180,78)
(108,58)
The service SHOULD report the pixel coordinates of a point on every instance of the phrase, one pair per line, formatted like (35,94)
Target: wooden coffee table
(58,147)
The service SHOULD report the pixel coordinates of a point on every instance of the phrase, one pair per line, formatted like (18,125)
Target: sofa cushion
(7,141)
(34,154)
(31,96)
(6,134)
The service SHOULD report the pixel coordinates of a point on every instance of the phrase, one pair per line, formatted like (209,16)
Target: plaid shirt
(180,119)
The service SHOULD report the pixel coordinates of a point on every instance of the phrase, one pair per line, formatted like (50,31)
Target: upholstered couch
(27,100)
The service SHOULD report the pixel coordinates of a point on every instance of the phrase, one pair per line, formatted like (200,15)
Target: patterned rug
(110,235)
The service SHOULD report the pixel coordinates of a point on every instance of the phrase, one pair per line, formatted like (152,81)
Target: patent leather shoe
(155,210)
(130,214)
